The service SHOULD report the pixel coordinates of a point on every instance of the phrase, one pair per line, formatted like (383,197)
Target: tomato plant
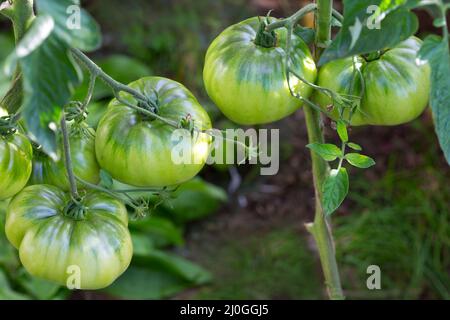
(137,149)
(245,72)
(257,71)
(53,233)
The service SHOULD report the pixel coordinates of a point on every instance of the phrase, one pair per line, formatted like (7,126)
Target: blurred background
(233,234)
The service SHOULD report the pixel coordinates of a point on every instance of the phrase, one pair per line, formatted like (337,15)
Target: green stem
(21,14)
(107,191)
(341,159)
(292,20)
(117,87)
(338,15)
(90,91)
(96,71)
(323,25)
(68,160)
(320,229)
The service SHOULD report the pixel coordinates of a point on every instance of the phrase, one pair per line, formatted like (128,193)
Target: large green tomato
(137,150)
(396,88)
(247,81)
(15,163)
(56,241)
(82,151)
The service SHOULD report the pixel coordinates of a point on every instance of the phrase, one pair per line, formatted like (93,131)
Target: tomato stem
(320,228)
(118,87)
(292,20)
(68,159)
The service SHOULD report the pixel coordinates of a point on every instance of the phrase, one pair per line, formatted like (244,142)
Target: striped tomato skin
(248,82)
(396,87)
(138,150)
(51,242)
(15,164)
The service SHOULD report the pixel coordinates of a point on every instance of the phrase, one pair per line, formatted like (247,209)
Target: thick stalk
(292,20)
(117,87)
(320,229)
(21,14)
(68,160)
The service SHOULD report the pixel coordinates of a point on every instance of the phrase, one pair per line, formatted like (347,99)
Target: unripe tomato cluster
(249,85)
(246,76)
(56,236)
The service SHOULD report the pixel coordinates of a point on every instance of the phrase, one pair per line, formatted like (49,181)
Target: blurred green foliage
(401,223)
(274,265)
(6,47)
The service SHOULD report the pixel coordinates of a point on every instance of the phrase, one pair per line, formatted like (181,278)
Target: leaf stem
(90,91)
(117,87)
(292,20)
(341,158)
(68,160)
(338,15)
(107,191)
(98,72)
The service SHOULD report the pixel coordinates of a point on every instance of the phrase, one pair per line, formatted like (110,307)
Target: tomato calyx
(151,103)
(75,210)
(266,39)
(7,126)
(373,55)
(76,112)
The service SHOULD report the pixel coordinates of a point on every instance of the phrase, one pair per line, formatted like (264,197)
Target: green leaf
(73,25)
(436,51)
(184,206)
(39,31)
(6,293)
(158,275)
(359,160)
(142,244)
(38,288)
(335,189)
(49,76)
(160,231)
(7,45)
(307,34)
(364,28)
(354,146)
(327,151)
(341,128)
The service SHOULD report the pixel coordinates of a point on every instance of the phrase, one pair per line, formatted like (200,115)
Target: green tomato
(82,151)
(56,241)
(248,81)
(396,88)
(137,150)
(15,164)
